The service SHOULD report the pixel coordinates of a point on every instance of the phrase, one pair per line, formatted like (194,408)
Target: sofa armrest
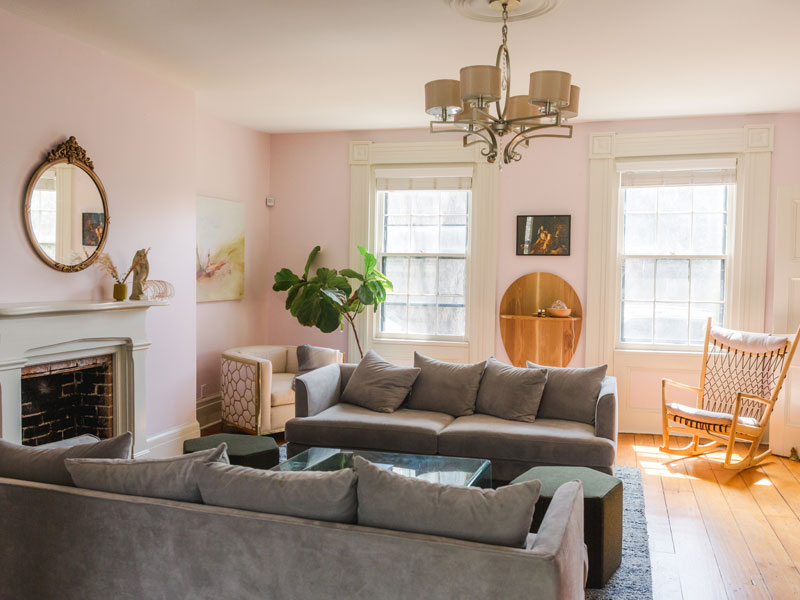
(561,536)
(605,419)
(317,390)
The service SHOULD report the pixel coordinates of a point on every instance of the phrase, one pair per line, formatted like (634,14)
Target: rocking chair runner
(741,377)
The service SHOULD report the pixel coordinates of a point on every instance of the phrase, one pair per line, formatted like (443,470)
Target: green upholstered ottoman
(260,452)
(602,514)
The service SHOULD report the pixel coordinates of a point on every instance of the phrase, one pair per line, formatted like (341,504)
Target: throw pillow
(511,393)
(169,478)
(391,501)
(46,465)
(571,393)
(325,496)
(445,387)
(379,385)
(310,358)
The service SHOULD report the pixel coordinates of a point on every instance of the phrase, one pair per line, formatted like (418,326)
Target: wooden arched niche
(547,341)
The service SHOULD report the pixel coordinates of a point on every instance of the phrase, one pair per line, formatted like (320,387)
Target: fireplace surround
(36,334)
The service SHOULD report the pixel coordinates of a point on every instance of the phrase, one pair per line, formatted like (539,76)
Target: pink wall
(139,131)
(233,163)
(310,180)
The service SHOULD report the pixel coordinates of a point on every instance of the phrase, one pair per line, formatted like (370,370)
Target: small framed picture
(92,230)
(543,235)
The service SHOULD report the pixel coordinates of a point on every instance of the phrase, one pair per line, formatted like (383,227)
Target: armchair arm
(605,416)
(561,536)
(317,390)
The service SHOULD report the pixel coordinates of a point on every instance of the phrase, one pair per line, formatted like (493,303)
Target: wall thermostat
(270,201)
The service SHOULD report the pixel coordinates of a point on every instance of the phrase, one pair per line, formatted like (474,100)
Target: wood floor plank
(647,457)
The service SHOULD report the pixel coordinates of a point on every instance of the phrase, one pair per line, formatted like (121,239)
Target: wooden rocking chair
(741,377)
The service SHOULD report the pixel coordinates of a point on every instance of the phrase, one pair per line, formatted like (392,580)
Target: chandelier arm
(490,152)
(510,154)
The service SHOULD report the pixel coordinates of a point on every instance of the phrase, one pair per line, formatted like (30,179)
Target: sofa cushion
(310,358)
(510,392)
(450,388)
(571,393)
(379,385)
(350,426)
(46,465)
(169,478)
(325,496)
(547,441)
(282,391)
(391,501)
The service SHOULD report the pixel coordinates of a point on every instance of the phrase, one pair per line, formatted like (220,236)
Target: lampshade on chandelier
(464,105)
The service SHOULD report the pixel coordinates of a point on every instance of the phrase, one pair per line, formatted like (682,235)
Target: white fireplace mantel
(43,332)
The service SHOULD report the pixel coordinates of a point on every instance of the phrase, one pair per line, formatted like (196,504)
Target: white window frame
(727,258)
(365,158)
(752,146)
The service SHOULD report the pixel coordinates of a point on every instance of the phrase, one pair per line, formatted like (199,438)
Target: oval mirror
(66,213)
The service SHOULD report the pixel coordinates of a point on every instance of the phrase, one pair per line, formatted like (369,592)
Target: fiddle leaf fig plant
(327,299)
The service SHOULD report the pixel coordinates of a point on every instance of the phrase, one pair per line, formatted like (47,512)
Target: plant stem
(355,333)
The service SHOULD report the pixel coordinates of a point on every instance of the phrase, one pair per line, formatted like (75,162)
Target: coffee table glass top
(438,469)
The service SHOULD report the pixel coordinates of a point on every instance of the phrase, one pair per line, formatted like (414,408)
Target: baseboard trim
(209,411)
(170,442)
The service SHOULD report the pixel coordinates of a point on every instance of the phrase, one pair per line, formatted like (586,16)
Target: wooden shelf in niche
(544,340)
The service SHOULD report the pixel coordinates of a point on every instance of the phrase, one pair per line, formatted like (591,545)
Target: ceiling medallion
(481,10)
(464,106)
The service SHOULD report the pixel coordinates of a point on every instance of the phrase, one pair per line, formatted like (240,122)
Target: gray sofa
(64,542)
(512,446)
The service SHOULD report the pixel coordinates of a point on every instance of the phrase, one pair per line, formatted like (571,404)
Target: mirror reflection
(66,214)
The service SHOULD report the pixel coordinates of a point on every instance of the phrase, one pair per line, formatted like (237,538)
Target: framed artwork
(92,225)
(543,235)
(220,250)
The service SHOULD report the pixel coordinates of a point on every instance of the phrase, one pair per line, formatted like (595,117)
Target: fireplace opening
(66,399)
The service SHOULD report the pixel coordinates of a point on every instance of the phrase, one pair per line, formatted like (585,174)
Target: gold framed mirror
(66,210)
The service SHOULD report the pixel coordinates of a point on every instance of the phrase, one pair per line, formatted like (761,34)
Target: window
(423,247)
(43,213)
(674,252)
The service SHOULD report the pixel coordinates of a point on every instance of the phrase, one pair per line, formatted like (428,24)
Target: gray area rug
(633,579)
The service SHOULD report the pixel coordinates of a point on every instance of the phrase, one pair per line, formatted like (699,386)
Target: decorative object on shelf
(104,263)
(65,209)
(543,235)
(220,250)
(141,269)
(460,106)
(327,299)
(158,289)
(558,309)
(545,340)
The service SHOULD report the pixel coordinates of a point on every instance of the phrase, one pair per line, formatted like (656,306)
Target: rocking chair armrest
(767,401)
(678,384)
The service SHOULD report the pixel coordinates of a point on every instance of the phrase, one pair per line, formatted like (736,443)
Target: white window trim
(752,146)
(365,157)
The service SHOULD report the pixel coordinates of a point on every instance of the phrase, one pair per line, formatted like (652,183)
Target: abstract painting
(220,250)
(92,228)
(543,235)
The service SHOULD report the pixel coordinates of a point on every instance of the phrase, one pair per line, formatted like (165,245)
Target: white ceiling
(307,65)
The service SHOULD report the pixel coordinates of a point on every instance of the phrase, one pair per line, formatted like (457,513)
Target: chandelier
(465,105)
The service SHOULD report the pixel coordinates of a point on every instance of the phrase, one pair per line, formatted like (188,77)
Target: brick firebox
(65,399)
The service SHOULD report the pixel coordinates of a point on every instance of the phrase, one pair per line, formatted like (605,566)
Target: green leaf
(329,318)
(290,297)
(284,279)
(309,312)
(336,296)
(352,274)
(369,260)
(311,258)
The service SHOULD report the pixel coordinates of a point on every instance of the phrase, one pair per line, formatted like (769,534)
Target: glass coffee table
(437,469)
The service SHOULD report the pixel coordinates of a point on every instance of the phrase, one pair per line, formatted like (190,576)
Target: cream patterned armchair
(257,390)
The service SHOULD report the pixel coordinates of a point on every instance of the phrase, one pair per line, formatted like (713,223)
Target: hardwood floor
(716,533)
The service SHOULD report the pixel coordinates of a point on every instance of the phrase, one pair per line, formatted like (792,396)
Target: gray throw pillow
(86,438)
(449,388)
(169,478)
(310,358)
(379,385)
(325,496)
(391,501)
(511,393)
(571,393)
(46,465)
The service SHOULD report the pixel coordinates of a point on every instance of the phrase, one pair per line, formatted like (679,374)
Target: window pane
(641,199)
(708,236)
(396,234)
(396,203)
(425,203)
(638,279)
(640,234)
(709,198)
(452,315)
(637,322)
(396,269)
(454,203)
(424,234)
(452,276)
(672,323)
(674,233)
(674,199)
(422,276)
(393,314)
(699,319)
(672,280)
(708,280)
(453,234)
(421,314)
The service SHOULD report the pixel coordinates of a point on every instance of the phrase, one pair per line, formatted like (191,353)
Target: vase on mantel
(120,291)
